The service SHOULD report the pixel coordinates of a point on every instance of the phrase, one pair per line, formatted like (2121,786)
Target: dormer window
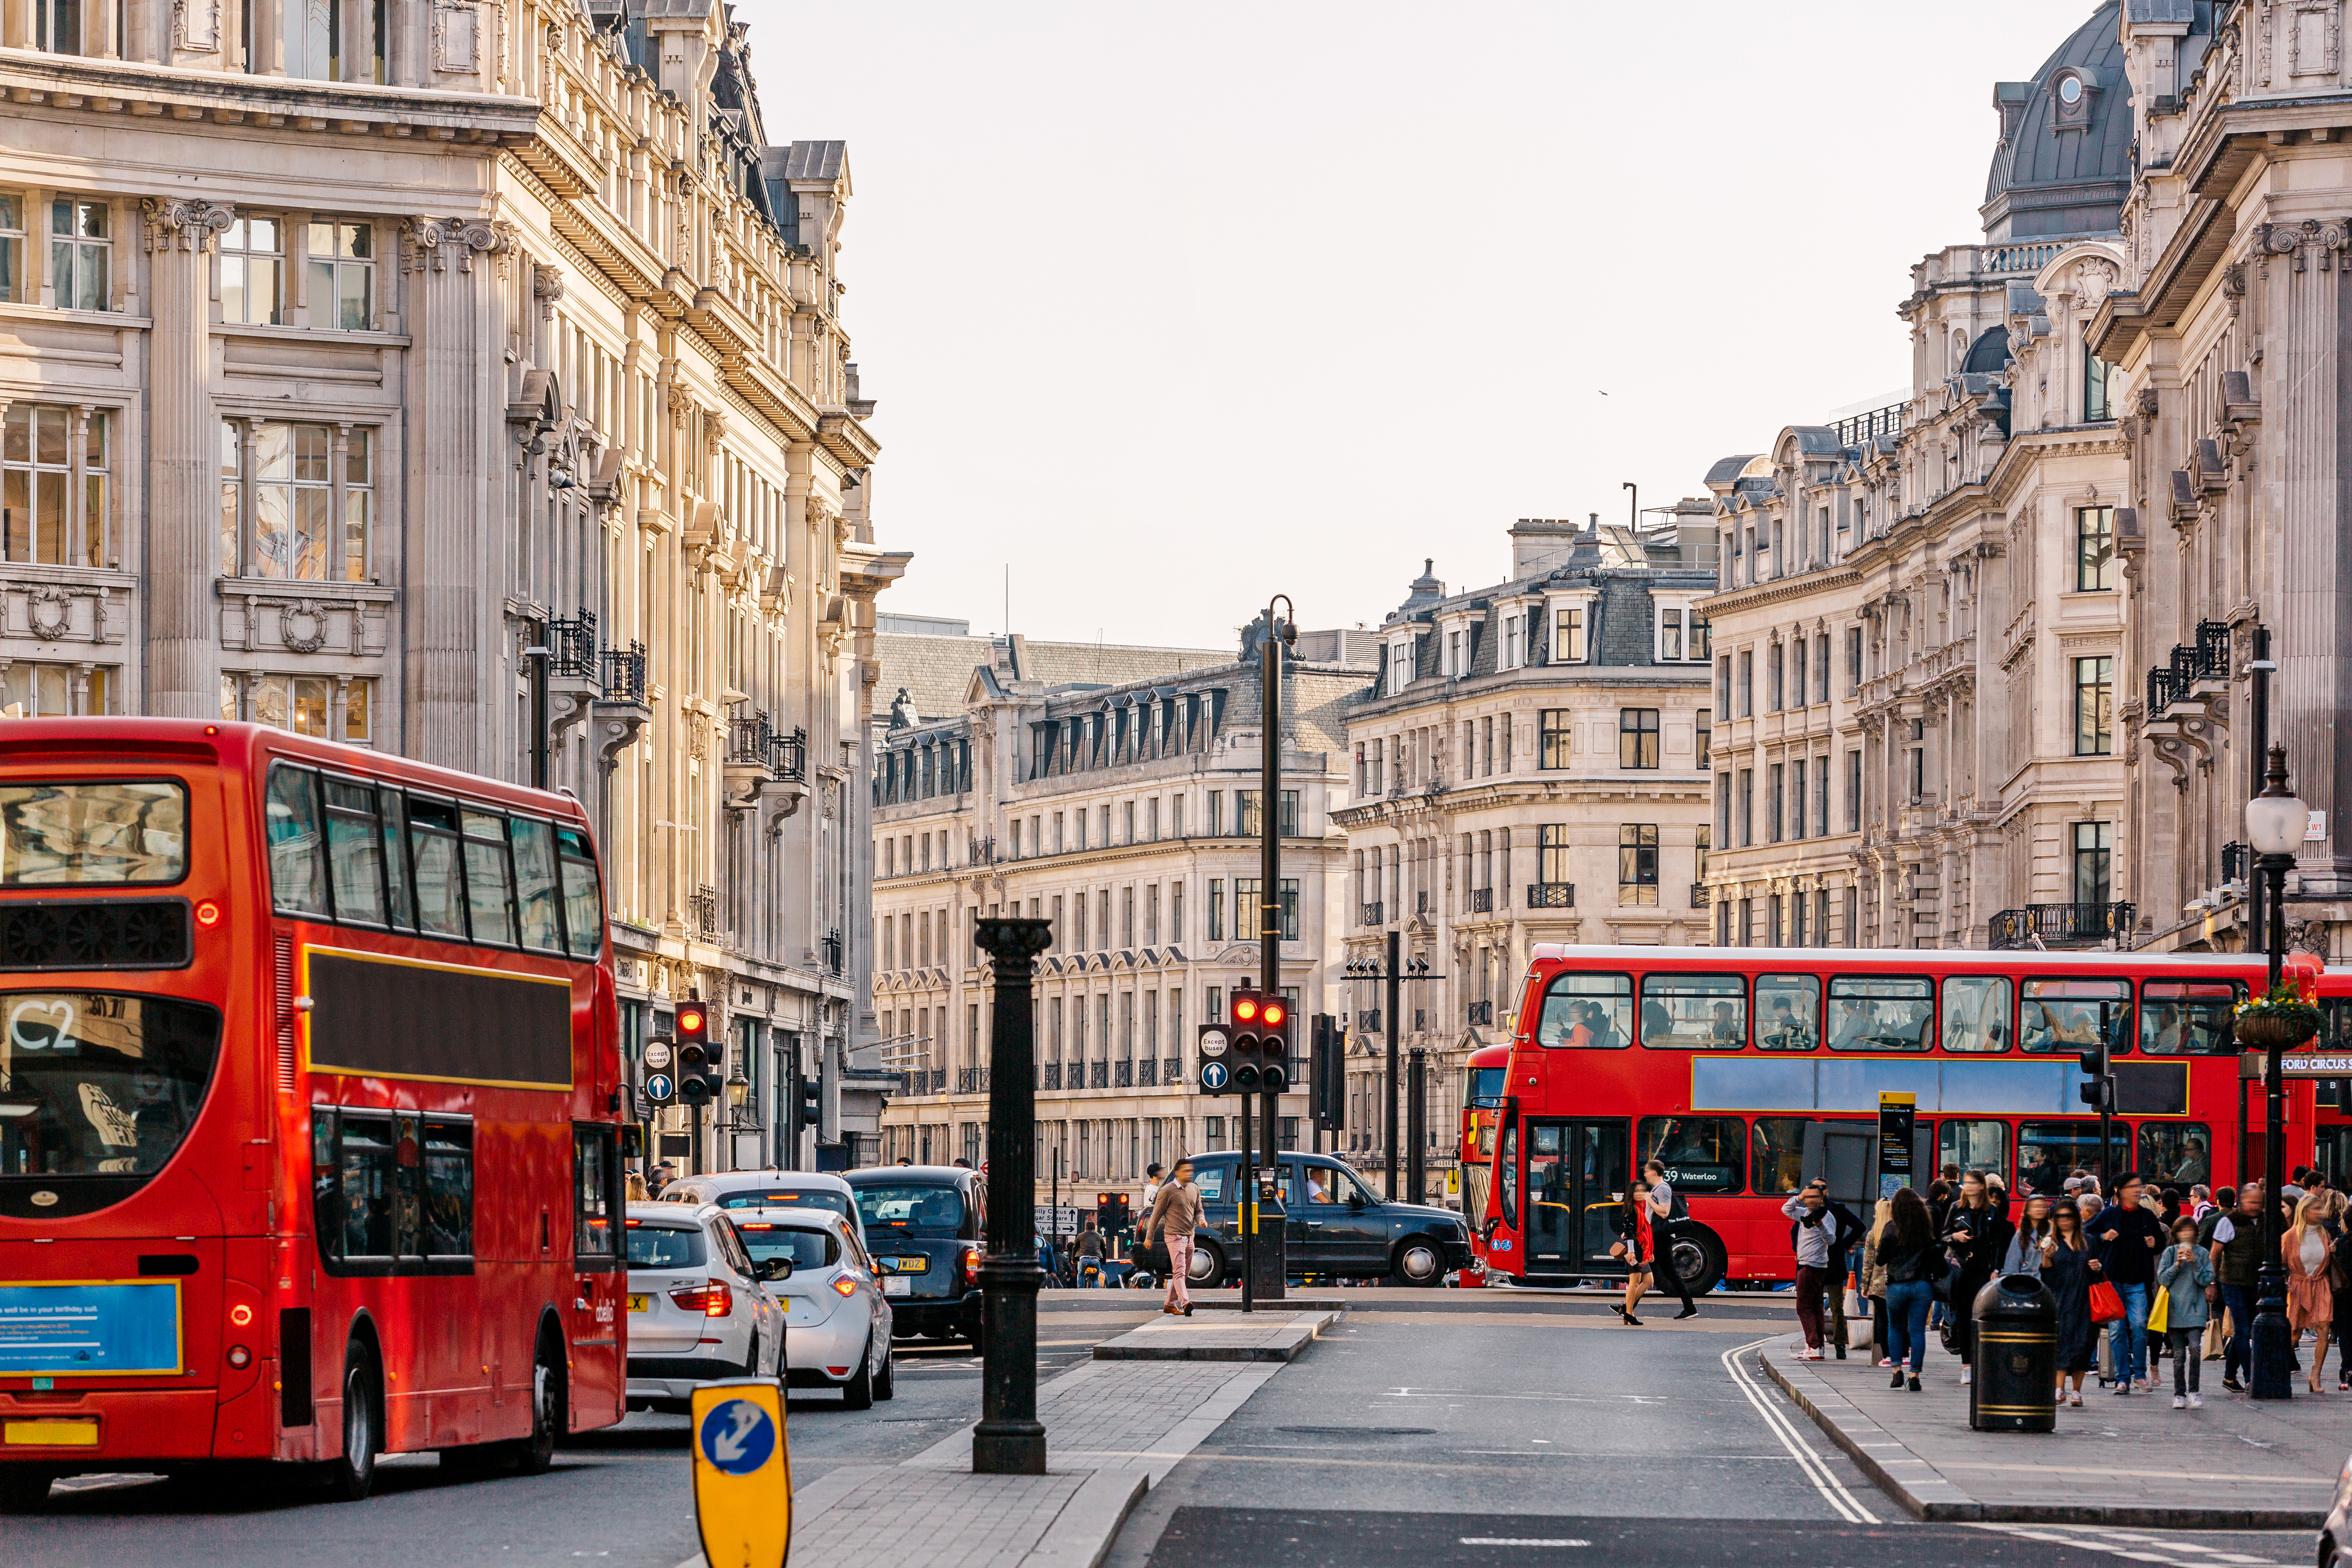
(1400,664)
(1515,640)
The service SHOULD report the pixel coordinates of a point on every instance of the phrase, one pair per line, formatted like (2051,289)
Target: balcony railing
(1369,1019)
(1098,1075)
(1146,1072)
(1481,901)
(2206,659)
(1863,428)
(573,644)
(2074,923)
(924,1081)
(703,905)
(625,673)
(1374,914)
(1050,1076)
(1171,1072)
(970,1080)
(1122,1075)
(1699,895)
(1482,1012)
(1552,896)
(787,754)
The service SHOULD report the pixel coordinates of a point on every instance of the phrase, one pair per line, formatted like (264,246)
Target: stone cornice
(1754,596)
(110,86)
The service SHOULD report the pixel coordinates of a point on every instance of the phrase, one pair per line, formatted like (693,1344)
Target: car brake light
(845,1286)
(971,1265)
(712,1297)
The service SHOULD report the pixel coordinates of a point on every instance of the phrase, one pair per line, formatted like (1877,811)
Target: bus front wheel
(25,1488)
(352,1477)
(1699,1260)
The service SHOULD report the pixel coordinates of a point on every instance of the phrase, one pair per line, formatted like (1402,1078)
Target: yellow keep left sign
(742,1474)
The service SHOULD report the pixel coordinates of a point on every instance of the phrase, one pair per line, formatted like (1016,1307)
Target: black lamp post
(2275,826)
(1009,1439)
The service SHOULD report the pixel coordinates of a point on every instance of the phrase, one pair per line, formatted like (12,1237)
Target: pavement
(2127,1461)
(1228,1336)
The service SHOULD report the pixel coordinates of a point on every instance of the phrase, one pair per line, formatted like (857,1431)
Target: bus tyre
(1699,1260)
(857,1394)
(535,1455)
(1208,1270)
(1420,1261)
(25,1488)
(351,1477)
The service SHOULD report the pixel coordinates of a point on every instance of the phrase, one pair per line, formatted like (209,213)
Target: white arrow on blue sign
(737,1437)
(1214,1075)
(658,1088)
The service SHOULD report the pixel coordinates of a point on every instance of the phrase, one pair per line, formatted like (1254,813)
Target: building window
(1556,744)
(12,251)
(2094,863)
(1706,738)
(2095,406)
(2094,700)
(1852,660)
(1796,801)
(1821,796)
(1698,862)
(1568,642)
(1400,664)
(303,703)
(1774,778)
(1637,863)
(1723,807)
(1854,791)
(53,487)
(343,276)
(57,27)
(1746,682)
(1821,667)
(1747,806)
(1456,666)
(1554,862)
(1247,823)
(1772,678)
(1670,631)
(1797,649)
(1514,638)
(80,254)
(252,270)
(1637,737)
(2095,549)
(29,690)
(289,508)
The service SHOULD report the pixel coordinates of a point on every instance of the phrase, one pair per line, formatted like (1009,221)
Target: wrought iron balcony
(574,644)
(1098,1075)
(1171,1072)
(1863,428)
(1482,1012)
(625,673)
(2207,659)
(1122,1074)
(1369,1019)
(832,951)
(1146,1072)
(1481,901)
(787,754)
(1700,898)
(1373,914)
(703,906)
(970,1080)
(1552,896)
(1050,1076)
(2068,924)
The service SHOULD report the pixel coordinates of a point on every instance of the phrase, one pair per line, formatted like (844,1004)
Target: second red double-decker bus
(309,1091)
(1733,1066)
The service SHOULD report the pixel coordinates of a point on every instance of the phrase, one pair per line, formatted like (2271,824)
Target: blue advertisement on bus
(92,1330)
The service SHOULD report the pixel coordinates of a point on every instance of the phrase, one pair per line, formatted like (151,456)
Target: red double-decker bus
(1473,1151)
(308,1109)
(1738,1068)
(2332,1108)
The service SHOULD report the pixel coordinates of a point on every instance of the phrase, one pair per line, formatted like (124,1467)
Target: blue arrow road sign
(1214,1075)
(658,1087)
(737,1437)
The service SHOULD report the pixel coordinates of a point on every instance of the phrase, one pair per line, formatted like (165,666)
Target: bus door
(1577,1173)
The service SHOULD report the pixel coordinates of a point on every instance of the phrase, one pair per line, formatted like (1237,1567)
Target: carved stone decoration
(302,628)
(196,25)
(2293,239)
(2094,281)
(183,224)
(428,243)
(2314,37)
(547,288)
(2307,936)
(456,37)
(714,430)
(681,404)
(49,613)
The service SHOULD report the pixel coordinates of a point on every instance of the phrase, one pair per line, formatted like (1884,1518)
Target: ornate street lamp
(2275,826)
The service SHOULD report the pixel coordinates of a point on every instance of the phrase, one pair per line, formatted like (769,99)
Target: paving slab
(1261,1336)
(2132,1460)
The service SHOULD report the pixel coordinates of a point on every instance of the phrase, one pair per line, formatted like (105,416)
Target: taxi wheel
(857,1394)
(25,1488)
(886,1384)
(1208,1270)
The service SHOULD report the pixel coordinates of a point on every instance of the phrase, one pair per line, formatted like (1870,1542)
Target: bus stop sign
(743,1473)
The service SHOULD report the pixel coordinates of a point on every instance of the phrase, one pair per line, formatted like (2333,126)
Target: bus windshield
(1486,1087)
(94,1083)
(912,1210)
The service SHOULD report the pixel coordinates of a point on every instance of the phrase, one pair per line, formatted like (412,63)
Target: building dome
(2064,164)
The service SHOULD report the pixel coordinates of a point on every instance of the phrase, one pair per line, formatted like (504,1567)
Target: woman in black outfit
(2069,1265)
(1977,1232)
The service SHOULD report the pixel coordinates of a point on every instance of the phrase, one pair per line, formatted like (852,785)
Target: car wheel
(885,1384)
(857,1394)
(351,1477)
(1208,1266)
(1420,1261)
(25,1488)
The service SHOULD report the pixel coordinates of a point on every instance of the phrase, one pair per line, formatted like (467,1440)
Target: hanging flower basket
(2280,1019)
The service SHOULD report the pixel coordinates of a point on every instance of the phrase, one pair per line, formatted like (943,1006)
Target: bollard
(2015,1388)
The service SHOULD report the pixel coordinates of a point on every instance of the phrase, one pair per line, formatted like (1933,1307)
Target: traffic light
(1110,1212)
(1276,1031)
(1327,1072)
(809,1100)
(701,1075)
(2099,1093)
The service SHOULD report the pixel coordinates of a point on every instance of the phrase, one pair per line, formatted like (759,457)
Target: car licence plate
(641,1304)
(893,1285)
(917,1264)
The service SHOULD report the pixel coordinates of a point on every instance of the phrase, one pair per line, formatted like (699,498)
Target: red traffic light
(1272,1015)
(1245,1008)
(692,1022)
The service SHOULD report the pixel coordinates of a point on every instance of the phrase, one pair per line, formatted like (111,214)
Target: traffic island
(2133,1461)
(1229,1336)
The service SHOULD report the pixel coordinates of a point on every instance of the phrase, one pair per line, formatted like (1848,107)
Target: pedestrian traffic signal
(701,1075)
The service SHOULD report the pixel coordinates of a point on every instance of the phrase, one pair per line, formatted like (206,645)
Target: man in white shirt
(1662,1237)
(1151,1185)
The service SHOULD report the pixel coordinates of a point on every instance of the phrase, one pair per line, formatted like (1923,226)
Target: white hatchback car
(699,1305)
(838,1322)
(771,1189)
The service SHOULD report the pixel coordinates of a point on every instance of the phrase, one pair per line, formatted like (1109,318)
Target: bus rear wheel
(535,1454)
(1699,1261)
(25,1488)
(352,1477)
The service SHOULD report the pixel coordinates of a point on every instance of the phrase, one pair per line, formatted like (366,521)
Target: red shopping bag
(2106,1303)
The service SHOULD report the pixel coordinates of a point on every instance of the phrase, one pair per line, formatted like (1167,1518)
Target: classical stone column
(457,685)
(183,473)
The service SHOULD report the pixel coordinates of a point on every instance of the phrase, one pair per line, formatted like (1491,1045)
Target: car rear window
(665,1246)
(837,1203)
(807,1249)
(909,1210)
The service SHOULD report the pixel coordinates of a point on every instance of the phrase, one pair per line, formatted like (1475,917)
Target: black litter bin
(2015,1388)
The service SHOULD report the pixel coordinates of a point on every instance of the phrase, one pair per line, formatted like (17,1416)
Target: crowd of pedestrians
(2138,1274)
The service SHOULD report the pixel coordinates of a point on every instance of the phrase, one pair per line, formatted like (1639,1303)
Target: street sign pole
(1009,1440)
(1245,1209)
(1394,1001)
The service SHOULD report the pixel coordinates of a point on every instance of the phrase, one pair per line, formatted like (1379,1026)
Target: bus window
(1484,1088)
(120,833)
(366,1181)
(584,909)
(2188,1019)
(2066,1148)
(534,859)
(1788,1011)
(1693,1012)
(2336,1034)
(1701,1154)
(1974,1145)
(298,882)
(1776,1155)
(396,857)
(489,880)
(2176,1154)
(595,1170)
(1976,1013)
(354,852)
(448,1189)
(433,851)
(1880,1012)
(1587,1011)
(2065,1015)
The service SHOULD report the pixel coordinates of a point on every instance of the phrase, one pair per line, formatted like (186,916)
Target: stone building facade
(1114,791)
(1920,615)
(2229,330)
(1532,766)
(351,353)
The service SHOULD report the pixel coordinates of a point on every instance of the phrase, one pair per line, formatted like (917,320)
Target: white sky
(1170,308)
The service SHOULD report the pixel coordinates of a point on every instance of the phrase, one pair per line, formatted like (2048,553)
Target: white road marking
(2135,1547)
(1521,1541)
(1816,1470)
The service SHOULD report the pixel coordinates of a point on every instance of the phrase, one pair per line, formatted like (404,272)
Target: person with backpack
(1908,1256)
(1666,1212)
